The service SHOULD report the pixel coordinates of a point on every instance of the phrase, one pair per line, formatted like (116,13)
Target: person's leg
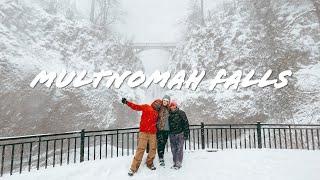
(173,145)
(166,137)
(142,145)
(160,144)
(152,149)
(165,140)
(180,144)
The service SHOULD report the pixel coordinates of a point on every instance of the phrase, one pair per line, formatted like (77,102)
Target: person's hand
(124,100)
(185,137)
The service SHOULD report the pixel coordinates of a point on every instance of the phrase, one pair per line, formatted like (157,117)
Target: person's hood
(156,104)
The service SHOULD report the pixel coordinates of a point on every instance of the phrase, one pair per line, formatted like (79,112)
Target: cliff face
(246,35)
(260,35)
(32,40)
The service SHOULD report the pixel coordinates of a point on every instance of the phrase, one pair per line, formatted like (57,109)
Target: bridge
(139,47)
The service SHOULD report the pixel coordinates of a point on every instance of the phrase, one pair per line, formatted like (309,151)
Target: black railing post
(39,146)
(117,142)
(259,134)
(82,145)
(2,160)
(12,159)
(202,136)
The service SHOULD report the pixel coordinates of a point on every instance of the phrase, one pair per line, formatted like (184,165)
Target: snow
(34,40)
(224,164)
(233,39)
(144,20)
(308,77)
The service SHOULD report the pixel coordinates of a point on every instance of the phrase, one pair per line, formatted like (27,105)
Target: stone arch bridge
(142,46)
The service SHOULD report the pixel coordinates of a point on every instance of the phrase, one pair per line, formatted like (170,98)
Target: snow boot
(162,162)
(152,167)
(176,167)
(130,173)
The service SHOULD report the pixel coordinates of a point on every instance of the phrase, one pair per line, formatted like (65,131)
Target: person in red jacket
(147,133)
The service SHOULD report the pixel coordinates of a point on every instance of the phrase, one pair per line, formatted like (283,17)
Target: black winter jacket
(178,123)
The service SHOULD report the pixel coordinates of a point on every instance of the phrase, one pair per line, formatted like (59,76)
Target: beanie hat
(166,97)
(173,103)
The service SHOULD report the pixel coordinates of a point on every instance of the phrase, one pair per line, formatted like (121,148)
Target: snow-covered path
(221,165)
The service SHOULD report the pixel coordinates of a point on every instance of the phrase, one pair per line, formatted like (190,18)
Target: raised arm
(134,106)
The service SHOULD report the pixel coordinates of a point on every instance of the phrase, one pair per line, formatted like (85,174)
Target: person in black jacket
(179,131)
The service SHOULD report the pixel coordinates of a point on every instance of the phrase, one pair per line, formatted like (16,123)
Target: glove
(185,137)
(124,100)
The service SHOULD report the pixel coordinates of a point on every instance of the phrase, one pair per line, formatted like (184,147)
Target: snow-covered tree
(252,34)
(104,12)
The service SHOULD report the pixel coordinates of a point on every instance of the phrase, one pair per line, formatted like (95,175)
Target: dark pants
(177,142)
(162,138)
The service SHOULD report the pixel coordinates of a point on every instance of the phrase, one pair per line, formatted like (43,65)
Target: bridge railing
(26,153)
(142,44)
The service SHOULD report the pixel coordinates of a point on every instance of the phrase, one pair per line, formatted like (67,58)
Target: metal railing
(272,136)
(24,153)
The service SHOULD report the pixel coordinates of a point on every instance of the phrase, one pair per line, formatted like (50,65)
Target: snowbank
(227,164)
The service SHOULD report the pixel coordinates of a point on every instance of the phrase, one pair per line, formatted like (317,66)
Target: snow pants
(162,138)
(143,140)
(177,142)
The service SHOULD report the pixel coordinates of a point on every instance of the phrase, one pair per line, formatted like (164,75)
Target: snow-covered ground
(226,164)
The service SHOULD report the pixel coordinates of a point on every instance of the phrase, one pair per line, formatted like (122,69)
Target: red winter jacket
(149,117)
